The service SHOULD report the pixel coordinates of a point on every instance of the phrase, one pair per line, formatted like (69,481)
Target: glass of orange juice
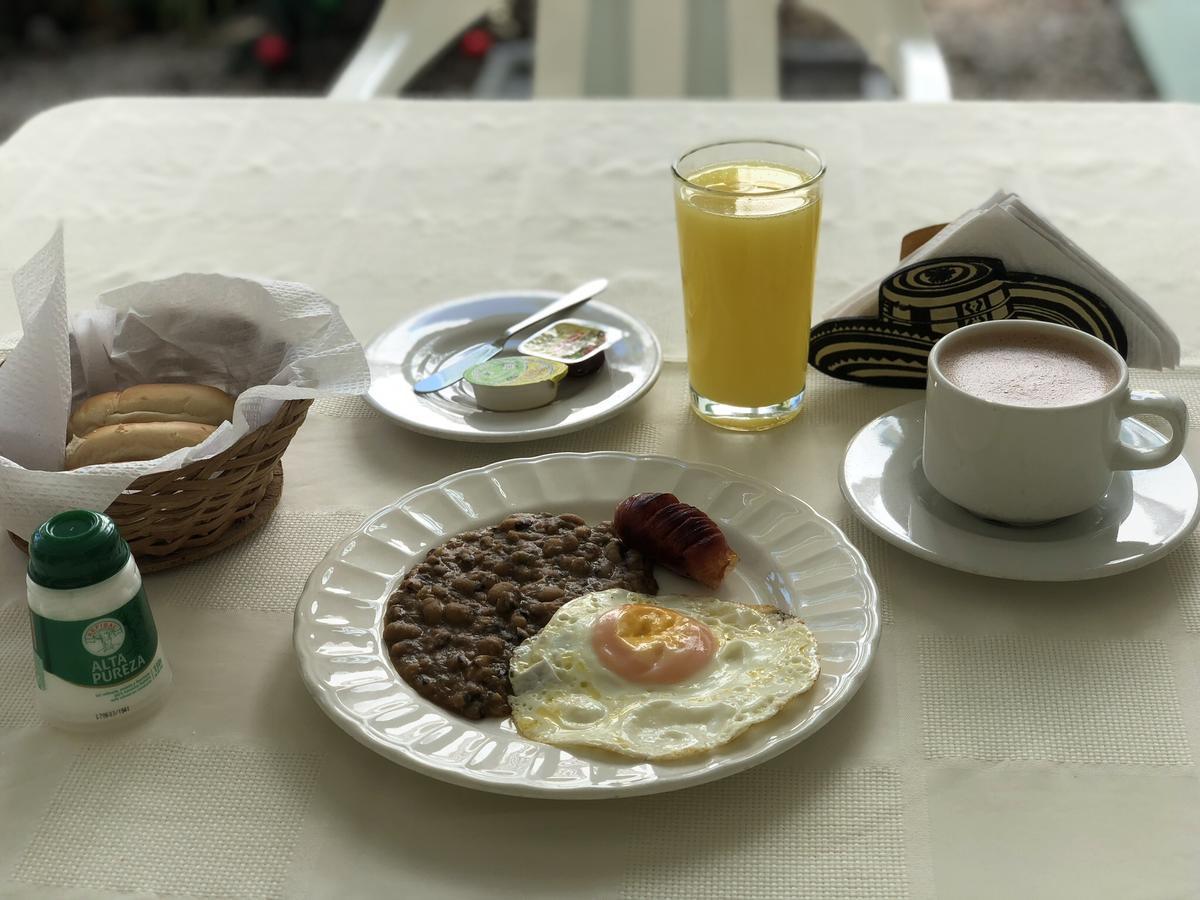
(748,214)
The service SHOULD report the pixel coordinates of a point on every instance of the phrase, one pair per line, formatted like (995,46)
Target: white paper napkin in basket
(1006,228)
(265,341)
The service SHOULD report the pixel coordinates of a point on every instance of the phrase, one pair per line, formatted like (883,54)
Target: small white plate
(1142,517)
(790,557)
(410,350)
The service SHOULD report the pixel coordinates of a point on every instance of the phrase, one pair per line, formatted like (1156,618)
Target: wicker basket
(172,518)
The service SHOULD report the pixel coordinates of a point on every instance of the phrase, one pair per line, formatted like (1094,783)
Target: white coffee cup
(1026,464)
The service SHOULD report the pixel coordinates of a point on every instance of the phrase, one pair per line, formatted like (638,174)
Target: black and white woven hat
(920,303)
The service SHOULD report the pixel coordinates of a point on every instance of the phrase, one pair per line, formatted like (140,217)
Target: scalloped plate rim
(523,786)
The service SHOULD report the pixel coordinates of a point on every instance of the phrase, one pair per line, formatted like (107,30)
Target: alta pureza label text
(99,652)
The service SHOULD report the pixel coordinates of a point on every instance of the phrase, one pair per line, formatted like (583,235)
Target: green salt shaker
(97,658)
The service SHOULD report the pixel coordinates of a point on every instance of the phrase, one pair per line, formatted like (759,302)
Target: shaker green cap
(76,548)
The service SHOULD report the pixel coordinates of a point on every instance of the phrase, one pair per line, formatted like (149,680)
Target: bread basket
(274,345)
(176,517)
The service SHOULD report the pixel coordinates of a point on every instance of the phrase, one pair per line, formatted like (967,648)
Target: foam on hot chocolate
(1028,369)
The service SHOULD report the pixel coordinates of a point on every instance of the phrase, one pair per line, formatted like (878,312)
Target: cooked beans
(456,617)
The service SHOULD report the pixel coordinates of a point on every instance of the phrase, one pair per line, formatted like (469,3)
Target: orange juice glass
(748,213)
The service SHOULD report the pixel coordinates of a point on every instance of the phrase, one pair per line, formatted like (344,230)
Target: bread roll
(153,403)
(135,441)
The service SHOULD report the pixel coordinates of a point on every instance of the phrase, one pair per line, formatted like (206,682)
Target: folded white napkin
(265,341)
(1003,229)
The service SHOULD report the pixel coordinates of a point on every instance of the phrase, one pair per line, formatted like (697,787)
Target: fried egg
(657,677)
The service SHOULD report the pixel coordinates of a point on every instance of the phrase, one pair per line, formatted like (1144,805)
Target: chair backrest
(716,48)
(656,48)
(895,35)
(649,48)
(405,35)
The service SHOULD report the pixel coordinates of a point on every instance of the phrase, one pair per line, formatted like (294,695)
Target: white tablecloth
(1012,740)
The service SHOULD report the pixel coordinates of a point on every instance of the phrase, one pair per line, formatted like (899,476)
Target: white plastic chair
(656,48)
(675,48)
(405,35)
(649,48)
(895,35)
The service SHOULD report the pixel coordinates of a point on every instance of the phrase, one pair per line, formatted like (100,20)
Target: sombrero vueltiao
(920,303)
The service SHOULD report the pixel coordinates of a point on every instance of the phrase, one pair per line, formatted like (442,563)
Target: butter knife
(456,368)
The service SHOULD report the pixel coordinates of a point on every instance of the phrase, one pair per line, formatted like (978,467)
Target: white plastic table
(1013,739)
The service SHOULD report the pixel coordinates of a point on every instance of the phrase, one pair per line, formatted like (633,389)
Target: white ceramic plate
(790,557)
(407,352)
(1144,515)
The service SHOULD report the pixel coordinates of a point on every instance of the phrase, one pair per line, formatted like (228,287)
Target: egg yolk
(652,645)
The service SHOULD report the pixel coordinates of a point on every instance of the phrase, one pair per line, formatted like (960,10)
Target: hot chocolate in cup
(1023,420)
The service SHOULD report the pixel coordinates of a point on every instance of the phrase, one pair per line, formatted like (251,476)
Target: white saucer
(416,347)
(1142,518)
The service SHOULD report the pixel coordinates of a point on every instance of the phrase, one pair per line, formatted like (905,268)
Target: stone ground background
(996,49)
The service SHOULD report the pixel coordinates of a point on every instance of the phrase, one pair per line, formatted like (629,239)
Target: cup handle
(1173,409)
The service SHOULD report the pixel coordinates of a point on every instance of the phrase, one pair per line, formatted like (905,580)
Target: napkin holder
(999,260)
(920,303)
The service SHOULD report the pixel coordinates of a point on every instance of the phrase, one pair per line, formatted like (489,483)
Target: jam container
(579,344)
(512,383)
